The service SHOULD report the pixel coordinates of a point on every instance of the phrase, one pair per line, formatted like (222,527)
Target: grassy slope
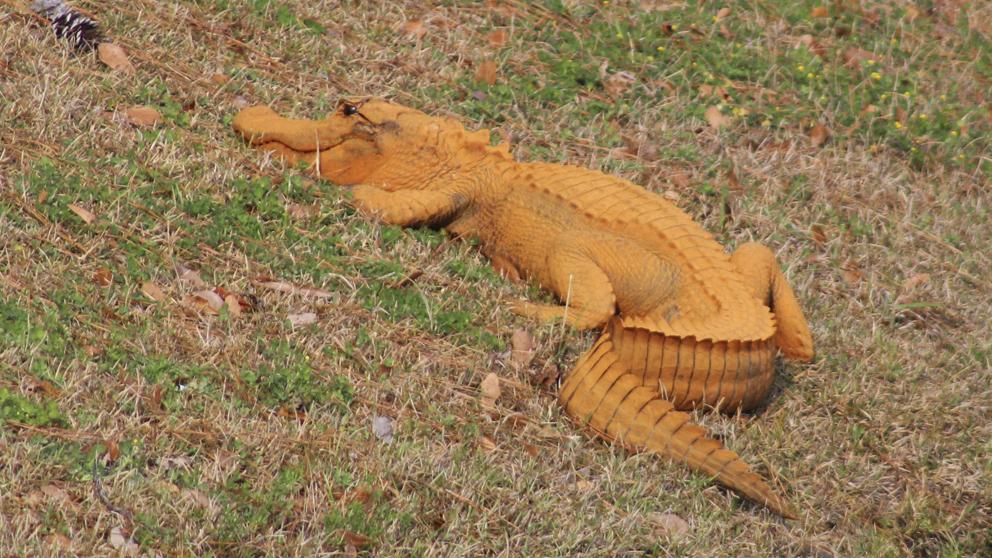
(241,434)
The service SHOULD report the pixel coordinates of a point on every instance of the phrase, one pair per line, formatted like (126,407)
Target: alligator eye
(350,109)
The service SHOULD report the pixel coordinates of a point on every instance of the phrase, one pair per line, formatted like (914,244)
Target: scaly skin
(685,323)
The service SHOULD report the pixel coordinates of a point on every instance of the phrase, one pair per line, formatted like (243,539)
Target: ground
(139,416)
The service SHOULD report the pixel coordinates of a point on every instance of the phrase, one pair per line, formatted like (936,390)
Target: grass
(232,431)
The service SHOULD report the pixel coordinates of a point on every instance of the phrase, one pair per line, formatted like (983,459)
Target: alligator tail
(601,394)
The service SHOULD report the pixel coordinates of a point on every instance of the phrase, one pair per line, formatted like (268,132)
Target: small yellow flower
(894,41)
(675,27)
(943,97)
(876,76)
(619,35)
(954,133)
(801,68)
(898,125)
(810,75)
(884,96)
(766,123)
(661,49)
(922,116)
(913,149)
(870,62)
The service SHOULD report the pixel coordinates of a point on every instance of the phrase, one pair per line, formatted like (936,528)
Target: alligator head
(365,140)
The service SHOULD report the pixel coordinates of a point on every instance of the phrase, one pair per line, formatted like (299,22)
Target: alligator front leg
(761,272)
(581,284)
(596,273)
(601,394)
(409,208)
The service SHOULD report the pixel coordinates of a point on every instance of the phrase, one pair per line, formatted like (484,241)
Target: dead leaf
(415,28)
(715,118)
(114,57)
(356,540)
(819,235)
(190,276)
(733,183)
(489,391)
(910,284)
(487,444)
(818,135)
(212,299)
(233,305)
(113,450)
(497,38)
(901,115)
(143,117)
(219,78)
(56,494)
(680,180)
(285,287)
(722,13)
(521,347)
(153,291)
(819,11)
(852,274)
(486,72)
(669,524)
(617,84)
(302,212)
(382,427)
(302,319)
(120,541)
(85,214)
(531,449)
(103,277)
(854,56)
(912,12)
(197,496)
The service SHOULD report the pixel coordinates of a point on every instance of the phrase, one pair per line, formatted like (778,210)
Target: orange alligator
(686,324)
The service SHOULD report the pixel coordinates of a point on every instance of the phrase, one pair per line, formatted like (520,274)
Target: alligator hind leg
(761,272)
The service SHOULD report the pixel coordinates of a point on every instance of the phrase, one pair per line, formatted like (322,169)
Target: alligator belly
(723,374)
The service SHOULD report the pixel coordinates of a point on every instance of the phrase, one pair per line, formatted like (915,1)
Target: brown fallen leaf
(302,319)
(153,291)
(103,277)
(819,234)
(486,72)
(521,347)
(233,305)
(356,540)
(910,285)
(414,28)
(819,135)
(85,214)
(143,116)
(617,84)
(487,444)
(901,115)
(497,38)
(819,11)
(219,78)
(854,56)
(912,12)
(722,13)
(715,118)
(122,542)
(114,57)
(669,525)
(489,391)
(191,276)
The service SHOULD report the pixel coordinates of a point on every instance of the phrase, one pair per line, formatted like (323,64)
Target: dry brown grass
(883,443)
